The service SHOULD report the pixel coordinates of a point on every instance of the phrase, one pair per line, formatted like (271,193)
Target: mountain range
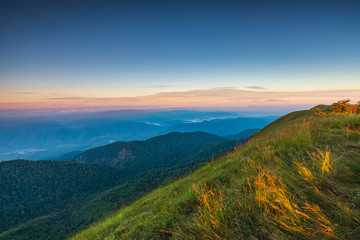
(51,199)
(47,138)
(297,178)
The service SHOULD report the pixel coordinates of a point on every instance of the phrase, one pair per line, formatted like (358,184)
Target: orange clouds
(215,97)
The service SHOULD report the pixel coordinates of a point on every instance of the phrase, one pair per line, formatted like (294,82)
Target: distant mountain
(43,137)
(67,155)
(243,134)
(297,178)
(224,127)
(54,199)
(163,151)
(43,140)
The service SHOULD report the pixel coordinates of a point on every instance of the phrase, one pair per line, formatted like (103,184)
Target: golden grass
(323,159)
(273,197)
(210,216)
(285,183)
(325,162)
(293,214)
(304,171)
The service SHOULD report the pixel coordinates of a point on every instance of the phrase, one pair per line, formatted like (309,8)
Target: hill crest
(169,150)
(295,178)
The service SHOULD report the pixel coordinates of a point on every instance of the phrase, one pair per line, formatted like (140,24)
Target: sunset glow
(178,55)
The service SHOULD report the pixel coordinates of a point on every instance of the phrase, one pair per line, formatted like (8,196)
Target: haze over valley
(50,137)
(179,119)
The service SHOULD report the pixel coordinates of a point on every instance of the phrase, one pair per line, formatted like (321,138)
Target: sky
(178,54)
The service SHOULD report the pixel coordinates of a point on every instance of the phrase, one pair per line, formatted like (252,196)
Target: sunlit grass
(210,214)
(293,214)
(304,171)
(325,162)
(296,179)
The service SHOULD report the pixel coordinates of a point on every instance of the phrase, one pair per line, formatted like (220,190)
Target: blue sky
(114,49)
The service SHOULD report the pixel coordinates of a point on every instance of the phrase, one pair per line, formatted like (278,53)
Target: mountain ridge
(51,203)
(169,149)
(298,177)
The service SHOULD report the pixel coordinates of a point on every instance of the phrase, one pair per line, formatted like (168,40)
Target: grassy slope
(63,217)
(298,178)
(137,186)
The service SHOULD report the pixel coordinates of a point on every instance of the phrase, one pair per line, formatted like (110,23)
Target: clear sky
(178,53)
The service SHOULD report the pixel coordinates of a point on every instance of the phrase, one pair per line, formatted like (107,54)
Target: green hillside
(35,189)
(162,151)
(298,178)
(243,134)
(54,199)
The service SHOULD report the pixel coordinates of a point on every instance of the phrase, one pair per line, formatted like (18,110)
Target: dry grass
(304,171)
(295,180)
(323,160)
(293,214)
(210,215)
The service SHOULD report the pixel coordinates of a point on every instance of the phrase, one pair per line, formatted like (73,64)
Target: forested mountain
(32,189)
(47,137)
(298,178)
(53,199)
(162,151)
